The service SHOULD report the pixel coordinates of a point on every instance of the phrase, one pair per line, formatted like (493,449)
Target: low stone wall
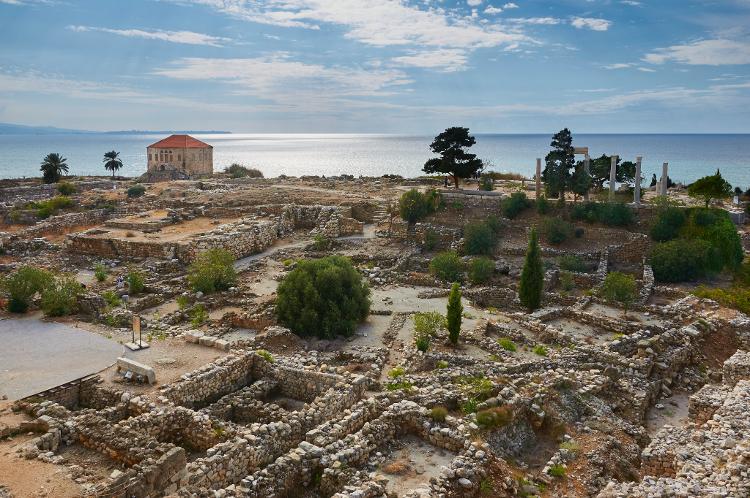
(736,368)
(703,404)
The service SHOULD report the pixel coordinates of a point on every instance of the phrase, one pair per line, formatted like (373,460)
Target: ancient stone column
(587,169)
(538,177)
(612,177)
(637,192)
(664,179)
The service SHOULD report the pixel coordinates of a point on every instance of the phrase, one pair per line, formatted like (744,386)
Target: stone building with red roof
(181,153)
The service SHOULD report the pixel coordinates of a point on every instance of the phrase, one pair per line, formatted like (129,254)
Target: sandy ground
(412,466)
(674,412)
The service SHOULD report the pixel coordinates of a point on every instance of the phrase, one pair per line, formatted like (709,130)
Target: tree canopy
(710,187)
(53,166)
(559,163)
(600,167)
(112,162)
(532,276)
(454,160)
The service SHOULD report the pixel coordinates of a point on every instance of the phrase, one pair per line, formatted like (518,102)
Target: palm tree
(53,167)
(112,162)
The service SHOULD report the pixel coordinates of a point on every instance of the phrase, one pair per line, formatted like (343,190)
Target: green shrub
(136,191)
(45,209)
(422,342)
(542,205)
(428,323)
(447,266)
(609,213)
(441,364)
(240,171)
(556,230)
(680,260)
(182,302)
(198,315)
(567,283)
(481,270)
(403,385)
(66,188)
(469,406)
(479,238)
(323,297)
(540,350)
(22,285)
(486,183)
(414,205)
(556,471)
(572,262)
(111,298)
(396,372)
(61,297)
(507,344)
(620,288)
(431,240)
(514,205)
(494,223)
(265,355)
(136,281)
(736,297)
(494,418)
(438,413)
(321,243)
(100,272)
(667,224)
(531,286)
(212,271)
(453,314)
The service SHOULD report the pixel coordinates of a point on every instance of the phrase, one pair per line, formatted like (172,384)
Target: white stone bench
(133,366)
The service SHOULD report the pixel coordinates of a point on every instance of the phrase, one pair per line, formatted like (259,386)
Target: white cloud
(646,70)
(510,5)
(592,23)
(716,52)
(618,65)
(184,37)
(632,3)
(446,60)
(374,22)
(536,20)
(278,78)
(474,3)
(491,11)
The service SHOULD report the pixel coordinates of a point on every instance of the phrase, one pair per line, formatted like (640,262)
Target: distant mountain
(16,129)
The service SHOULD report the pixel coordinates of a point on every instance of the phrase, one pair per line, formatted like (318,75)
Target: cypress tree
(532,276)
(453,315)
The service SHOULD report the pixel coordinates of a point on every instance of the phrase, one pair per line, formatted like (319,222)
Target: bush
(620,288)
(479,238)
(100,272)
(608,213)
(136,191)
(422,342)
(494,223)
(578,232)
(431,240)
(481,270)
(531,286)
(438,413)
(556,230)
(567,283)
(736,297)
(428,323)
(447,266)
(198,315)
(111,298)
(572,262)
(66,188)
(441,364)
(507,344)
(556,471)
(514,205)
(265,355)
(540,350)
(542,205)
(453,314)
(45,209)
(667,224)
(22,285)
(493,418)
(396,372)
(323,297)
(240,171)
(212,271)
(414,205)
(680,260)
(321,243)
(61,297)
(136,282)
(486,183)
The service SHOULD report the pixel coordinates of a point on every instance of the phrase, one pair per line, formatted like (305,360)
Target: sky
(377,66)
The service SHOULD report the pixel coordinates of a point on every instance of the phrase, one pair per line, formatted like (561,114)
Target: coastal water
(689,156)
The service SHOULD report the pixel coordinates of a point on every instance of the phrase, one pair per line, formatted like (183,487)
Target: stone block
(133,366)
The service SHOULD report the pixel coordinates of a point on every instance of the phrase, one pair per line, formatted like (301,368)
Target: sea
(689,156)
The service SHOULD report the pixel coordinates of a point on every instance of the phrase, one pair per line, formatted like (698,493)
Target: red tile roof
(180,142)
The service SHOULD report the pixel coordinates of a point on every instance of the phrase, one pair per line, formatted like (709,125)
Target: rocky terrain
(576,399)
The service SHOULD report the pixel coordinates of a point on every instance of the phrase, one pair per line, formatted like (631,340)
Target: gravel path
(36,355)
